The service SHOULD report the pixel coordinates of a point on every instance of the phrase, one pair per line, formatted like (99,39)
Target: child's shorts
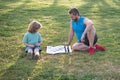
(36,47)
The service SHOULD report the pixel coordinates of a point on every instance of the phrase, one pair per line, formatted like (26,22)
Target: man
(85,33)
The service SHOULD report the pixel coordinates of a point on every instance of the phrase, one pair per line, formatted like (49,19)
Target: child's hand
(37,44)
(32,46)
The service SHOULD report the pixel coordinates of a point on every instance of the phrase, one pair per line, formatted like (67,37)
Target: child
(32,40)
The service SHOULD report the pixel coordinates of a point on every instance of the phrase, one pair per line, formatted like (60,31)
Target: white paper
(58,49)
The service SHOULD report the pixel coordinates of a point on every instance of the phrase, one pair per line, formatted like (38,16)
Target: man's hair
(74,11)
(33,26)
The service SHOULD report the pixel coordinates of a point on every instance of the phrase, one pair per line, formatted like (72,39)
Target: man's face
(73,17)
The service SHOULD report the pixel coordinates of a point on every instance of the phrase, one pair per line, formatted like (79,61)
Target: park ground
(15,16)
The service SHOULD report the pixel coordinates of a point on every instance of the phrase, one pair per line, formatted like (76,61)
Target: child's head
(34,26)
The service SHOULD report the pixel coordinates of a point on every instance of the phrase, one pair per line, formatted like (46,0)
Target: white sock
(37,53)
(30,52)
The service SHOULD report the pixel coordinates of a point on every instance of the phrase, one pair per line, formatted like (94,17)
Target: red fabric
(99,47)
(91,50)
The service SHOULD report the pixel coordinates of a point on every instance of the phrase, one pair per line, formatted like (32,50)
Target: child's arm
(32,46)
(39,40)
(38,44)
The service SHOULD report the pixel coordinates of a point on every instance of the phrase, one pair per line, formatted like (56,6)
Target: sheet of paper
(58,49)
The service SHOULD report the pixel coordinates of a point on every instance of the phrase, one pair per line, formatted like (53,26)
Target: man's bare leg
(91,34)
(79,46)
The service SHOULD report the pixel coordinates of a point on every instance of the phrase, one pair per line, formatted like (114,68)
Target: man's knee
(73,47)
(76,46)
(79,46)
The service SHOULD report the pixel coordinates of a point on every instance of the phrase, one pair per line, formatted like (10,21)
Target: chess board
(58,49)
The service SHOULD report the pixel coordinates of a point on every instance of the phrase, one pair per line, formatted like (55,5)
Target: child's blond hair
(34,26)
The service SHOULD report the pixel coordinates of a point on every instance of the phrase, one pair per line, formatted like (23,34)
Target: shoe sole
(30,56)
(36,57)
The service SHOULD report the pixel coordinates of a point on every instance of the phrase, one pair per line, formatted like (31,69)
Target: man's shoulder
(82,17)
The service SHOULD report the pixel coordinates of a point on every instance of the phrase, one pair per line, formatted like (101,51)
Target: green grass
(15,16)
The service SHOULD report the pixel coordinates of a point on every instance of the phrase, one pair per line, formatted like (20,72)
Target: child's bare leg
(30,53)
(37,54)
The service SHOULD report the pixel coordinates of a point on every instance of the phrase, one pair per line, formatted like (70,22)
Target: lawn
(15,16)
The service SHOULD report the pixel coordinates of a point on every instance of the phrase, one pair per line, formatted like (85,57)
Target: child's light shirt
(32,38)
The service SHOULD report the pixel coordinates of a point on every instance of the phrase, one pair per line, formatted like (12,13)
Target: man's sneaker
(30,55)
(91,50)
(99,47)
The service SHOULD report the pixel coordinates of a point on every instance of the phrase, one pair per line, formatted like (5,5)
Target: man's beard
(75,20)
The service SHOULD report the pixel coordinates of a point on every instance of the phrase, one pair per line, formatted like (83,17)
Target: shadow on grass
(11,19)
(21,69)
(56,67)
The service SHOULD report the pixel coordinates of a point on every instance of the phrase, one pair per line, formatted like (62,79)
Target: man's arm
(89,26)
(71,34)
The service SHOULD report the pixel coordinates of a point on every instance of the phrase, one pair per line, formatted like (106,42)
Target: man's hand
(66,43)
(83,38)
